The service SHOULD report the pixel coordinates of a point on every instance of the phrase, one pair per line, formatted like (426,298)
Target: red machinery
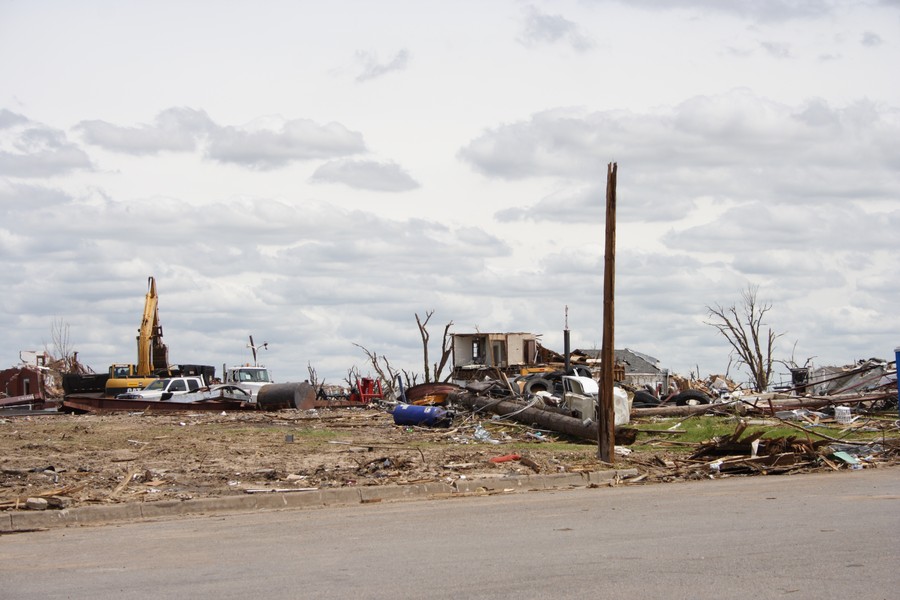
(366,390)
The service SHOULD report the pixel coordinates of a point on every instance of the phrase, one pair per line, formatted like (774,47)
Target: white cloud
(737,146)
(762,10)
(372,68)
(365,175)
(734,169)
(870,38)
(264,144)
(542,28)
(295,140)
(778,50)
(30,150)
(174,130)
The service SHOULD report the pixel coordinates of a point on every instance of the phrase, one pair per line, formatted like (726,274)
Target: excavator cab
(121,371)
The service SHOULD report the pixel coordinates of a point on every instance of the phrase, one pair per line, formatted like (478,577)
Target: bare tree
(446,353)
(60,357)
(791,363)
(743,326)
(61,351)
(386,372)
(446,348)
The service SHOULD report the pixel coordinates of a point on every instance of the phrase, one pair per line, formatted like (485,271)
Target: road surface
(831,535)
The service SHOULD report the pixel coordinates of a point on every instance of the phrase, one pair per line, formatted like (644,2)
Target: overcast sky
(315,174)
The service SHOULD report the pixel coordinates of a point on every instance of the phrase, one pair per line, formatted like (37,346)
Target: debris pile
(541,421)
(71,460)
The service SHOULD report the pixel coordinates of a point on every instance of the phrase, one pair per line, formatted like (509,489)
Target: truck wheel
(580,371)
(644,399)
(538,384)
(690,397)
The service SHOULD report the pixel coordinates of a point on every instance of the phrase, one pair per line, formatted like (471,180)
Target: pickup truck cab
(163,389)
(248,378)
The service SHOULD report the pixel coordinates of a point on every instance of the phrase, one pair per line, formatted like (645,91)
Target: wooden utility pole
(606,434)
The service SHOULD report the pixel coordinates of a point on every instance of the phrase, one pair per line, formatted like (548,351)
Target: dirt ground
(73,460)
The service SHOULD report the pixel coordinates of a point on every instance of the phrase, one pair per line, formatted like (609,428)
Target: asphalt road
(804,536)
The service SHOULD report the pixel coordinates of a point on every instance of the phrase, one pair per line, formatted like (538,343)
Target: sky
(317,174)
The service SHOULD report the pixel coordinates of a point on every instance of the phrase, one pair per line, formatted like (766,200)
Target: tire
(580,371)
(538,384)
(689,397)
(644,399)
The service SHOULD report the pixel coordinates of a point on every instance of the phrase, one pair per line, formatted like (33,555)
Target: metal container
(429,416)
(842,415)
(275,396)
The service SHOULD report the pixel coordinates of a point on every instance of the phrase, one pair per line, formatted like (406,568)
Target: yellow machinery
(153,354)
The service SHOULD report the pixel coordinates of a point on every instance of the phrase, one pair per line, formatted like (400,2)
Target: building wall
(19,382)
(511,349)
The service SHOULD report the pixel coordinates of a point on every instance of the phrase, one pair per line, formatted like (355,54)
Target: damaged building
(632,368)
(476,355)
(24,384)
(479,355)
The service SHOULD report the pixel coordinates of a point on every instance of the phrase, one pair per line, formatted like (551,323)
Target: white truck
(248,378)
(581,396)
(165,388)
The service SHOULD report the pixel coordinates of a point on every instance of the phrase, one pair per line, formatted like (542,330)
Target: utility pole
(606,434)
(265,346)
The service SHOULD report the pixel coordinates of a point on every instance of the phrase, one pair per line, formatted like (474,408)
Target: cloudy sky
(316,174)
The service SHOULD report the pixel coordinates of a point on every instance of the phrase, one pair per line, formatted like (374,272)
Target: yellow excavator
(153,354)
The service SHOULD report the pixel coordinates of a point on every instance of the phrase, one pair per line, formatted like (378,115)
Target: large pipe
(275,396)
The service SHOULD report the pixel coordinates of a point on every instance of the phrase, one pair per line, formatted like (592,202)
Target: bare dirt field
(73,460)
(119,457)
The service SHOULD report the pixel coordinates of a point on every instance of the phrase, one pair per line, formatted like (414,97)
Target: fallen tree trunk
(766,404)
(677,411)
(545,419)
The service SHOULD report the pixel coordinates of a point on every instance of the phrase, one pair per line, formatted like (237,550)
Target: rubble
(501,427)
(73,460)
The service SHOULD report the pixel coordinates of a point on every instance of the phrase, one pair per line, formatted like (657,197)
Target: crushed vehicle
(581,398)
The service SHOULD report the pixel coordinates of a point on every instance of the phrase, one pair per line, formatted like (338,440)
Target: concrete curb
(29,520)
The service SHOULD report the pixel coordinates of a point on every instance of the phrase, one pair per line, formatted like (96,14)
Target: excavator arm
(153,354)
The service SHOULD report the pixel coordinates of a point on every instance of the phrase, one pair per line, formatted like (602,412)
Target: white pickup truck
(163,389)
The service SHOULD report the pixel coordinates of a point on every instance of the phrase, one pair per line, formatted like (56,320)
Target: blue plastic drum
(429,416)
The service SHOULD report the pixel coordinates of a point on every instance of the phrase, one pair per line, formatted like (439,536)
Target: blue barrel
(413,414)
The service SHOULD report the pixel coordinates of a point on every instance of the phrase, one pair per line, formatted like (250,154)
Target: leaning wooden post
(606,436)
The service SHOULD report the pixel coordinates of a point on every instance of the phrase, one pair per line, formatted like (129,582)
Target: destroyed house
(20,381)
(474,354)
(634,368)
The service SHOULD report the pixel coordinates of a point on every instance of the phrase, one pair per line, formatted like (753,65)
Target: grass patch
(696,429)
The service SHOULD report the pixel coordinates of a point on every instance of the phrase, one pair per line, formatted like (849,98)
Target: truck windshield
(159,384)
(260,375)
